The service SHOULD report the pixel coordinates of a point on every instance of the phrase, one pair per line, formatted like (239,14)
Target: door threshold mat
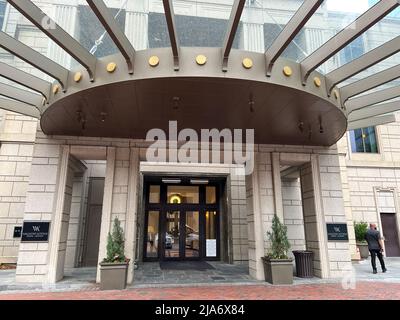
(185,265)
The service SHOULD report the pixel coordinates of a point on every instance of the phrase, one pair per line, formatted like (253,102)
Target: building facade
(193,209)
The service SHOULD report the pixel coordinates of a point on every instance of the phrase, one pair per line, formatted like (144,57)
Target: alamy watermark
(187,146)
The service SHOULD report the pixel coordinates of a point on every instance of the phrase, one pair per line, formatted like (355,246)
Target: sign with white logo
(35,231)
(337,232)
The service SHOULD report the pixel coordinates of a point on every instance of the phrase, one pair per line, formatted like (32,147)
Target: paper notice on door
(211,247)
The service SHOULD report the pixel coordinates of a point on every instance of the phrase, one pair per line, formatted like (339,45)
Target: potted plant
(278,266)
(114,268)
(360,229)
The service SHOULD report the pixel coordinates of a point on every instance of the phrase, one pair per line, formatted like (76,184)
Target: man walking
(375,246)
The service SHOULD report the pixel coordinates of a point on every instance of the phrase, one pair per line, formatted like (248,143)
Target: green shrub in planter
(115,244)
(114,267)
(360,229)
(279,241)
(278,267)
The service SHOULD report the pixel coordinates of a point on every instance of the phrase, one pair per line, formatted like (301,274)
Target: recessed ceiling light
(171,180)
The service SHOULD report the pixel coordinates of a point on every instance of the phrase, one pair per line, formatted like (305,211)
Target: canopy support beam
(25,79)
(375,110)
(117,35)
(372,98)
(34,58)
(21,95)
(173,35)
(289,32)
(365,61)
(233,25)
(19,107)
(369,83)
(57,34)
(347,35)
(371,122)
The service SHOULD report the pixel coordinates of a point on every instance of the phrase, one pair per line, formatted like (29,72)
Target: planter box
(363,248)
(278,271)
(113,276)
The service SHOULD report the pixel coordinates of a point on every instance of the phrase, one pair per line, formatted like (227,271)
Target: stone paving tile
(363,290)
(83,279)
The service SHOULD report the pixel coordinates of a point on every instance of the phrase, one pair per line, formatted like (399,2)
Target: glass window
(211,196)
(364,140)
(256,13)
(91,33)
(154,194)
(352,51)
(183,194)
(192,234)
(202,23)
(152,234)
(295,51)
(2,11)
(211,233)
(172,233)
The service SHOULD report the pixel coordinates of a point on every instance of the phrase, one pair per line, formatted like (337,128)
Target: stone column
(60,221)
(131,213)
(107,204)
(276,175)
(255,223)
(314,224)
(327,167)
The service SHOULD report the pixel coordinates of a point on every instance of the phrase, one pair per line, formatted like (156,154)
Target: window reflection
(192,234)
(154,195)
(171,243)
(152,234)
(211,197)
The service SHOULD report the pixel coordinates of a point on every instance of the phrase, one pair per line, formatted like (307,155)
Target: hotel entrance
(182,219)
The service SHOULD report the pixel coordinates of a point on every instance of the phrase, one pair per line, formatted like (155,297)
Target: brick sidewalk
(363,290)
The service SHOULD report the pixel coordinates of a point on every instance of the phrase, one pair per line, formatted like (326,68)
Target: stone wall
(293,213)
(17,134)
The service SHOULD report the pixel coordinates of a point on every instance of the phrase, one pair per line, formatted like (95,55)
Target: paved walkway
(150,273)
(226,281)
(363,290)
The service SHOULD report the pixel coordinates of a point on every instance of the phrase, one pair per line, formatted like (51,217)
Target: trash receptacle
(304,263)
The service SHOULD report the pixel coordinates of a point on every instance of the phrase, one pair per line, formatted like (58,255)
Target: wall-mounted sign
(35,231)
(17,232)
(337,231)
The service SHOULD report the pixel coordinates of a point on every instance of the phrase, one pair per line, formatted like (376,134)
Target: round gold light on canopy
(201,59)
(154,61)
(247,63)
(111,67)
(287,71)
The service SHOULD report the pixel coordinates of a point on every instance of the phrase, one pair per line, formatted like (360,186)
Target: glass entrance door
(182,235)
(181,222)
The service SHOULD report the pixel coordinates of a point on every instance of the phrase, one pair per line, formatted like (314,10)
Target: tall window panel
(3,4)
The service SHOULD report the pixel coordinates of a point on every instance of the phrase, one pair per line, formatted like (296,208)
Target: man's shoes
(374,272)
(384,270)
